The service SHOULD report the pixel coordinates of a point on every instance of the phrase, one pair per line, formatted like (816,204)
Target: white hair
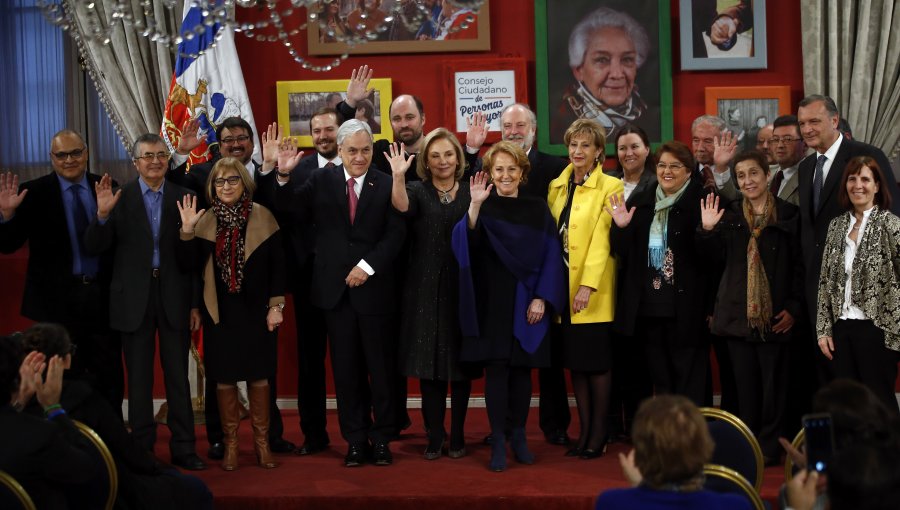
(601,18)
(350,128)
(531,116)
(716,122)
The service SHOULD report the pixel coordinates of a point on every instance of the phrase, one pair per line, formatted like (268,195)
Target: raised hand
(479,189)
(106,199)
(710,214)
(620,213)
(724,152)
(358,87)
(271,144)
(630,469)
(10,198)
(288,156)
(477,128)
(190,137)
(49,389)
(189,213)
(399,163)
(29,371)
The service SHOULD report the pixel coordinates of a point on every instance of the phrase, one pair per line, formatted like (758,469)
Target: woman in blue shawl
(511,282)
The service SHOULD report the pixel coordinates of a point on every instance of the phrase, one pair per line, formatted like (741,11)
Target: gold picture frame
(298,100)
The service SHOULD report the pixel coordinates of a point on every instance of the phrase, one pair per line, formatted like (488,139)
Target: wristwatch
(279,306)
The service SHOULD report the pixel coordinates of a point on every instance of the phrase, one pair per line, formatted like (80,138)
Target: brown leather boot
(259,418)
(229,413)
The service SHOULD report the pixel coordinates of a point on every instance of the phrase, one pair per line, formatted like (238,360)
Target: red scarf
(231,224)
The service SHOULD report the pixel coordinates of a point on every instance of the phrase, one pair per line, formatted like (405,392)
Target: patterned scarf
(231,222)
(759,299)
(658,243)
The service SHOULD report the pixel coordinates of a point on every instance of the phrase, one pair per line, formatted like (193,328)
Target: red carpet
(322,482)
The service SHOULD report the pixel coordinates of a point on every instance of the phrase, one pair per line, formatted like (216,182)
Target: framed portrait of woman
(607,60)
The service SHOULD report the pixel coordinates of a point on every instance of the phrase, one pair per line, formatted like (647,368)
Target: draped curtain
(851,52)
(131,73)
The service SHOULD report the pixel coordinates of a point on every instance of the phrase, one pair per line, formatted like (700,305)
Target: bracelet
(56,412)
(50,408)
(279,307)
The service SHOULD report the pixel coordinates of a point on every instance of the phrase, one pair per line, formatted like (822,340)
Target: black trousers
(214,432)
(630,384)
(98,360)
(677,365)
(363,360)
(174,345)
(860,354)
(553,407)
(761,373)
(312,345)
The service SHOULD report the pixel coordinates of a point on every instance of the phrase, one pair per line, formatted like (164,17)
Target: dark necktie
(352,199)
(330,164)
(817,181)
(776,182)
(709,180)
(80,221)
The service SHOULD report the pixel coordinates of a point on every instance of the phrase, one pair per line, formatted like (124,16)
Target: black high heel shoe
(575,451)
(593,453)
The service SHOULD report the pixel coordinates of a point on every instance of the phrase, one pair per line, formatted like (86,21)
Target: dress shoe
(216,451)
(310,448)
(519,446)
(574,452)
(356,455)
(189,461)
(590,453)
(558,437)
(280,445)
(434,449)
(498,454)
(381,454)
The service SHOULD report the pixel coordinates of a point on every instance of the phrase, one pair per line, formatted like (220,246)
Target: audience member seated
(671,445)
(49,457)
(144,482)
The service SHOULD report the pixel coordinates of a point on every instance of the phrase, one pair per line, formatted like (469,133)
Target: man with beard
(519,123)
(235,138)
(310,320)
(407,115)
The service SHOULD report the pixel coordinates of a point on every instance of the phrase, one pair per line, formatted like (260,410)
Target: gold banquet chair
(724,480)
(109,483)
(798,443)
(13,495)
(736,447)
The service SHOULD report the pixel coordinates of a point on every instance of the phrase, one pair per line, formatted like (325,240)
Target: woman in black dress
(662,285)
(238,251)
(511,281)
(429,330)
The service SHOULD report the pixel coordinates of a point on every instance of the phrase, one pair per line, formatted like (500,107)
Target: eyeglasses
(235,139)
(234,180)
(62,156)
(150,157)
(786,140)
(671,166)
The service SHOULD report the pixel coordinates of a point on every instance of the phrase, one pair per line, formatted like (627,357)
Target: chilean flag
(209,87)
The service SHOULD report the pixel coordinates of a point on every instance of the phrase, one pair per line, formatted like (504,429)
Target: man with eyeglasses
(235,136)
(788,148)
(150,294)
(64,283)
(764,145)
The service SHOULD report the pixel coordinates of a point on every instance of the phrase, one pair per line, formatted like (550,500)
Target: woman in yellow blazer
(576,199)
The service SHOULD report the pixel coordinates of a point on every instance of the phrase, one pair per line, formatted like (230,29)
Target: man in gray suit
(149,293)
(788,148)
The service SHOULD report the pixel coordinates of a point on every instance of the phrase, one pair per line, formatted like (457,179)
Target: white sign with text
(483,91)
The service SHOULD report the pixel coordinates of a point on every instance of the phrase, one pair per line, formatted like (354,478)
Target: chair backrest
(108,485)
(797,443)
(722,479)
(13,495)
(736,447)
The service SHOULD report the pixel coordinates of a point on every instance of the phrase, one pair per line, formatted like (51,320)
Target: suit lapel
(790,186)
(135,206)
(834,174)
(340,192)
(366,194)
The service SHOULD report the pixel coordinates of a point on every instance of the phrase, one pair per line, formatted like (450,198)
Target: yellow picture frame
(298,100)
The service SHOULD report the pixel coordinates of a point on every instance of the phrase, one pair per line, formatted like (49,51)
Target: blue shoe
(498,453)
(520,447)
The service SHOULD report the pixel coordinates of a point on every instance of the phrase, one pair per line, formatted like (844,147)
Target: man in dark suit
(820,174)
(519,124)
(63,283)
(358,236)
(235,136)
(149,294)
(788,148)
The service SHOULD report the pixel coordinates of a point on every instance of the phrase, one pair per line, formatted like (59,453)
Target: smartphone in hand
(819,441)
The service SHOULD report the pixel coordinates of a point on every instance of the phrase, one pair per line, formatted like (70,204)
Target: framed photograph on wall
(723,34)
(607,60)
(298,100)
(485,85)
(748,109)
(417,27)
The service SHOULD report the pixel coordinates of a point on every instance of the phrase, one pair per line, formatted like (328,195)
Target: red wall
(512,35)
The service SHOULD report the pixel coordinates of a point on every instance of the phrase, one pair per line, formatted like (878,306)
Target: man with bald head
(64,284)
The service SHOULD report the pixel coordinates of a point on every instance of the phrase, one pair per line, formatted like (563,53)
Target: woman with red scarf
(236,247)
